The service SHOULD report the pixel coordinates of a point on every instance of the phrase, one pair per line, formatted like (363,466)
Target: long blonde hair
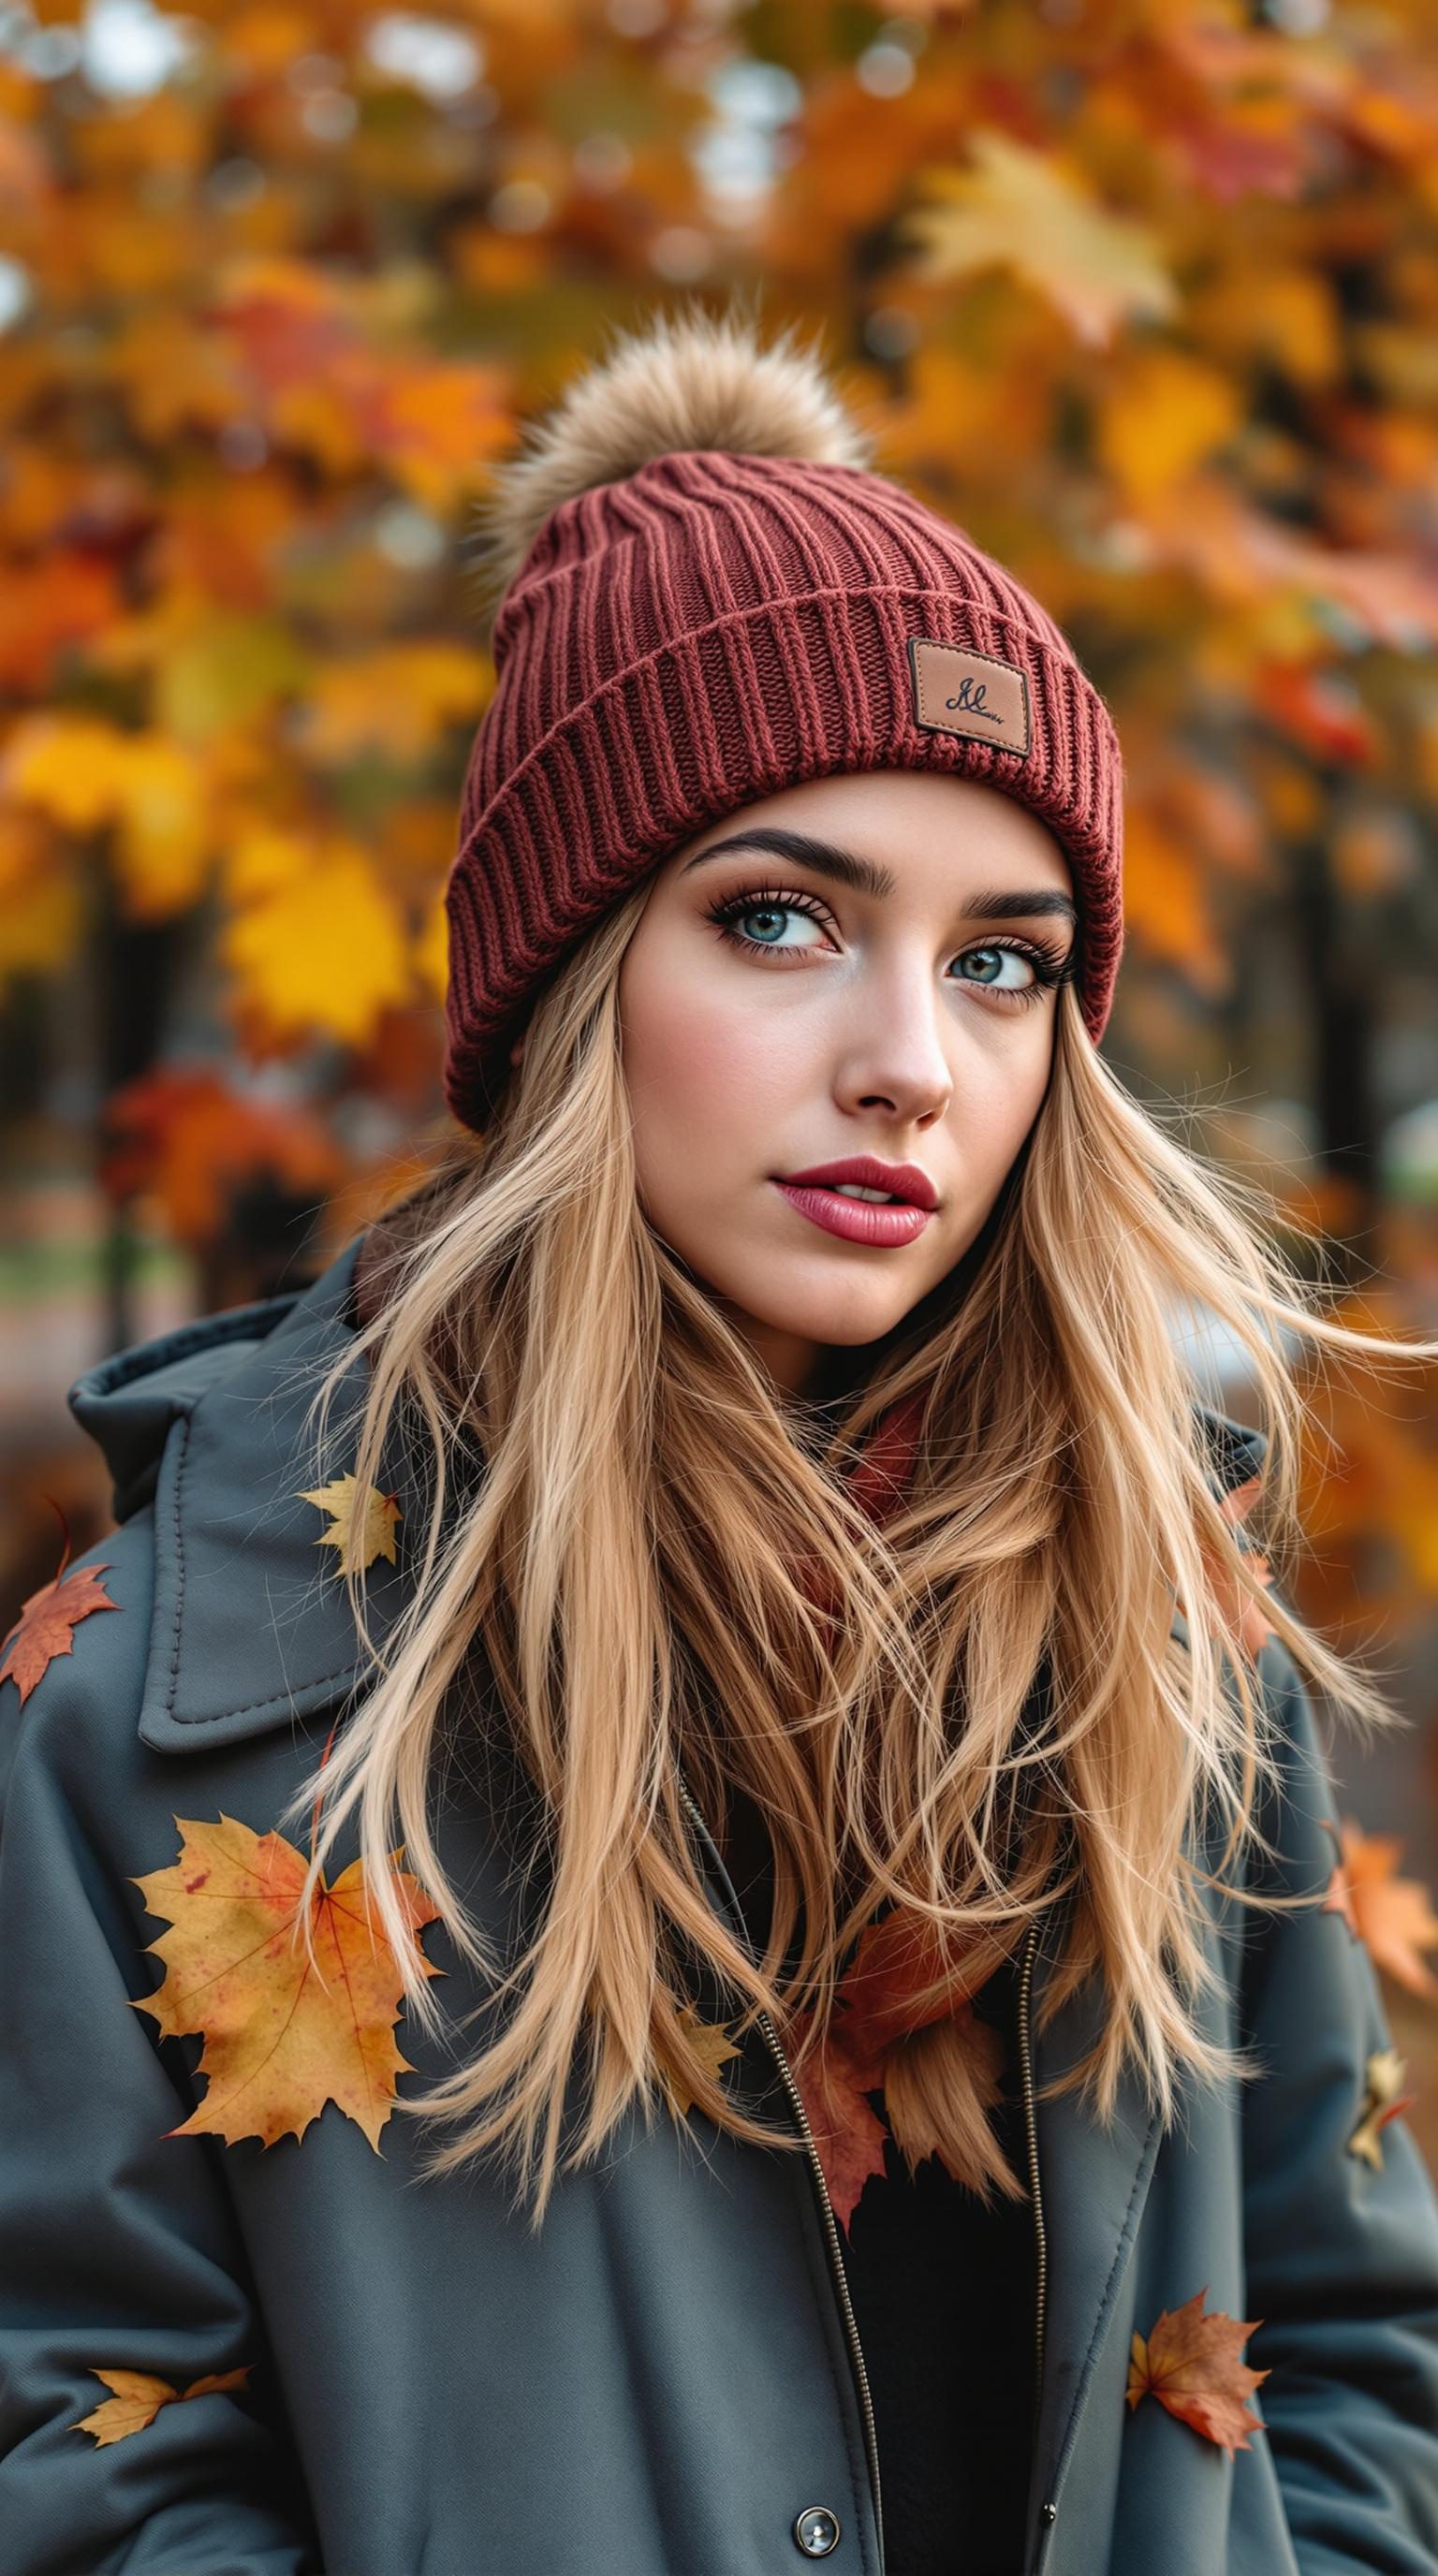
(636,1550)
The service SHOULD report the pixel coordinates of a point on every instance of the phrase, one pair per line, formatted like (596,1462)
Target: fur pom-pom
(695,379)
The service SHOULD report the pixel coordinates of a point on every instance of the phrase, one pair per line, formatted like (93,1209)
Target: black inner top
(944,2295)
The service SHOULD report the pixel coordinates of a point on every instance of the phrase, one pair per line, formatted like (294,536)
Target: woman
(722,1625)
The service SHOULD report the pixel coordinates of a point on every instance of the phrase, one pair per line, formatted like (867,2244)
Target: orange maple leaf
(280,2041)
(1392,1916)
(48,1621)
(1190,2364)
(139,2397)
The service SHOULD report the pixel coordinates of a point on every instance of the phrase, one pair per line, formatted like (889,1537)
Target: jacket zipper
(836,2256)
(1026,1979)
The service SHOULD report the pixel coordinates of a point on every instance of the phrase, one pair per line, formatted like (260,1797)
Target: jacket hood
(251,1626)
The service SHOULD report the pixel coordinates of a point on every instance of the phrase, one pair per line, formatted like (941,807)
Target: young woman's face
(870,984)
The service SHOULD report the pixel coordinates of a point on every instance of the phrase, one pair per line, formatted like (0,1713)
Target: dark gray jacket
(667,2378)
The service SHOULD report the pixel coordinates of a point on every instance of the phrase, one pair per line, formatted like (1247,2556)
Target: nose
(896,1052)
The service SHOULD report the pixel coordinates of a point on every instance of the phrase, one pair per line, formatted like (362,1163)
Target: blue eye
(1000,951)
(770,912)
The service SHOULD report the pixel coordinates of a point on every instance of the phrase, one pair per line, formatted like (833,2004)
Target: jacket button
(816,2531)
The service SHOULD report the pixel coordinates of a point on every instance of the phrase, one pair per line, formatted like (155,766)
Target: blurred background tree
(1144,293)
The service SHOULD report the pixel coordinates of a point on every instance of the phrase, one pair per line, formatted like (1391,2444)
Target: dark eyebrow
(864,876)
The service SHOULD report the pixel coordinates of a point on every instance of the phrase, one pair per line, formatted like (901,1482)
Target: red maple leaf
(897,1983)
(48,1620)
(848,2134)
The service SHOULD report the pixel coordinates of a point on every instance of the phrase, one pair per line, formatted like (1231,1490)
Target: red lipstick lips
(814,1193)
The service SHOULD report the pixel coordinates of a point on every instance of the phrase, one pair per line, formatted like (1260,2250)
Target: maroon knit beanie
(711,595)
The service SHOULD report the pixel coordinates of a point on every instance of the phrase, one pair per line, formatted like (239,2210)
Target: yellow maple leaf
(139,2397)
(1020,209)
(324,947)
(360,1529)
(712,2046)
(280,2040)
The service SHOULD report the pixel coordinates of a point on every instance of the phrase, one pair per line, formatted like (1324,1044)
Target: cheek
(699,1064)
(997,1096)
(671,1037)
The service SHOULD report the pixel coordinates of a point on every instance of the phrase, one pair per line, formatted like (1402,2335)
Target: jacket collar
(251,1626)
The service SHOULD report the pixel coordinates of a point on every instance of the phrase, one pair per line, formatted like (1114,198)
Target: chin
(846,1325)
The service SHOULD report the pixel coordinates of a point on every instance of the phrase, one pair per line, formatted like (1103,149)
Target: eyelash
(1051,965)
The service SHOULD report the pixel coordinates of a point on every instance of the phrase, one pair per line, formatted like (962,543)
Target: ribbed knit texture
(713,628)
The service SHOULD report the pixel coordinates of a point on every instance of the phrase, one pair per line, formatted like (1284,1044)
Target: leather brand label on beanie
(970,693)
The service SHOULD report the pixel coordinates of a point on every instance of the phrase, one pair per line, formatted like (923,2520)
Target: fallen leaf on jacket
(1383,2100)
(896,1983)
(47,1624)
(1190,2364)
(882,1994)
(279,2042)
(848,2134)
(712,2046)
(1392,1916)
(138,2399)
(362,1528)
